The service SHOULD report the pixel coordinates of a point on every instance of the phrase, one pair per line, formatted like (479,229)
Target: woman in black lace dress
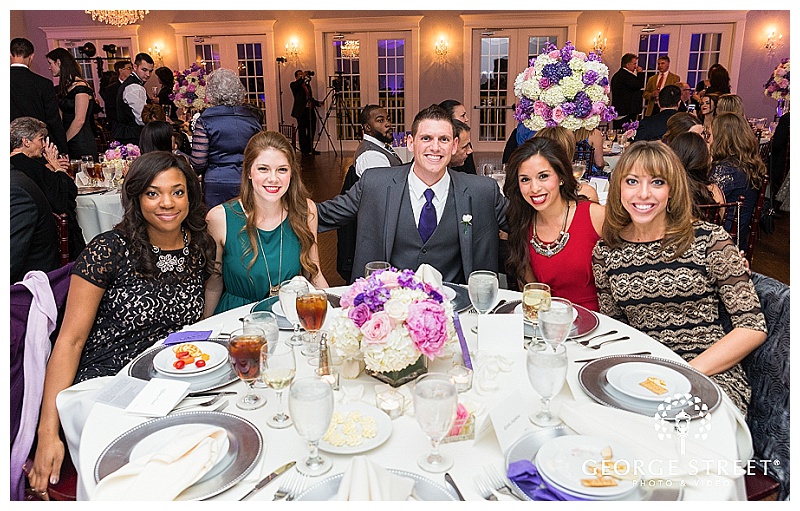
(76,103)
(668,275)
(129,289)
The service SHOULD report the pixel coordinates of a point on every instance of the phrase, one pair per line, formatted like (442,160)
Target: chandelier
(350,48)
(117,18)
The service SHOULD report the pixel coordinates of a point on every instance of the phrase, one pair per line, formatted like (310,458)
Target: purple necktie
(427,218)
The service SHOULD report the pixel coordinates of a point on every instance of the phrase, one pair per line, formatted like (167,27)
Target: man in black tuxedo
(686,97)
(626,90)
(131,98)
(654,127)
(33,95)
(303,111)
(123,69)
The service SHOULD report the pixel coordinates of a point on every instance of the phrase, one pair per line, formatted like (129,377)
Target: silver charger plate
(244,450)
(266,304)
(592,378)
(424,488)
(528,445)
(586,322)
(142,368)
(461,302)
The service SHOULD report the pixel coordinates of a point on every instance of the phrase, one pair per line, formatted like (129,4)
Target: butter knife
(597,358)
(262,483)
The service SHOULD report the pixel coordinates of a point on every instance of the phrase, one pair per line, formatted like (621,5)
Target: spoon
(586,342)
(597,346)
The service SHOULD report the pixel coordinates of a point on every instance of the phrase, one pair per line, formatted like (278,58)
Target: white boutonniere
(467,221)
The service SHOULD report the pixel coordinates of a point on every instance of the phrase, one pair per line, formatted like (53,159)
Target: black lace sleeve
(99,263)
(605,298)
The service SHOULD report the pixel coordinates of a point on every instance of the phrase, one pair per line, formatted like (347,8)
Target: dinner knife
(262,483)
(597,358)
(449,479)
(211,393)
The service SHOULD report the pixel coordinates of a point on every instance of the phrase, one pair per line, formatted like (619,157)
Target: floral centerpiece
(778,85)
(565,88)
(189,91)
(629,130)
(119,151)
(393,321)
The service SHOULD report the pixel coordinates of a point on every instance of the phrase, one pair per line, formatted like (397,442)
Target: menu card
(158,397)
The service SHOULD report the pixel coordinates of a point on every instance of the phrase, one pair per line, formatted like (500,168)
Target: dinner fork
(586,342)
(285,487)
(597,346)
(205,404)
(498,482)
(297,488)
(484,489)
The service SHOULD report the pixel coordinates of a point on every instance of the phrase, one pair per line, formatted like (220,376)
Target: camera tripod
(333,94)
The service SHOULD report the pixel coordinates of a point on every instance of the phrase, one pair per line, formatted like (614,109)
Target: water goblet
(287,295)
(277,372)
(534,294)
(374,266)
(435,404)
(244,348)
(311,408)
(483,286)
(579,169)
(555,320)
(488,169)
(312,307)
(547,372)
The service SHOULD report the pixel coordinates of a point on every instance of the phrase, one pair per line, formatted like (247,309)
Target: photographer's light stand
(324,128)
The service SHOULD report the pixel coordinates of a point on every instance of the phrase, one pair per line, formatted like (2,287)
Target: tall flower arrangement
(778,85)
(563,87)
(391,318)
(189,91)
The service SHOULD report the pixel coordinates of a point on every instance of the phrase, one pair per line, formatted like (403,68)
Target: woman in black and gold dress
(665,273)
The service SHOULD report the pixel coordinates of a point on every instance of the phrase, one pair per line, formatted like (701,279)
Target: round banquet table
(730,439)
(98,213)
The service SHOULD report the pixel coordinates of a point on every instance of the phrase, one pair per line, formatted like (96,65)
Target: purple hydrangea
(590,77)
(568,108)
(594,57)
(603,82)
(566,52)
(609,114)
(583,105)
(556,71)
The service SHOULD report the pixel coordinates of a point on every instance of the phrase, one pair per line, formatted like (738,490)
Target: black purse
(767,220)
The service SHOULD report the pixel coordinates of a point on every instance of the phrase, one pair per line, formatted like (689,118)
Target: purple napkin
(187,336)
(526,476)
(462,341)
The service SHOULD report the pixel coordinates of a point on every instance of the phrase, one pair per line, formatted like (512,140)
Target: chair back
(718,213)
(289,131)
(755,218)
(346,236)
(62,227)
(584,152)
(767,369)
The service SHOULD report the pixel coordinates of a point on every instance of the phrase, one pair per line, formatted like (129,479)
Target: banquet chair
(767,369)
(717,213)
(62,228)
(755,230)
(20,302)
(289,131)
(346,236)
(584,152)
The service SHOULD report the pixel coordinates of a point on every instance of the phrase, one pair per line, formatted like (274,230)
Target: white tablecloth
(730,439)
(98,213)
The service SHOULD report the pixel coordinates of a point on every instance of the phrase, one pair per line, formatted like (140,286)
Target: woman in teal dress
(266,235)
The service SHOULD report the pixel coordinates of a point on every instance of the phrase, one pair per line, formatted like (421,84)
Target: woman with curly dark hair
(551,229)
(129,288)
(266,235)
(75,103)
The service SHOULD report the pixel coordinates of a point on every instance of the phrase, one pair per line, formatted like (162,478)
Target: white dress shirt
(416,190)
(371,159)
(136,97)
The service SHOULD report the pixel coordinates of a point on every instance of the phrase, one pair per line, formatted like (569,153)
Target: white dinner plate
(518,310)
(278,310)
(626,378)
(383,427)
(564,459)
(163,361)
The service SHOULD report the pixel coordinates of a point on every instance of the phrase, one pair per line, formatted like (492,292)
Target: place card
(187,336)
(158,397)
(509,419)
(120,391)
(500,332)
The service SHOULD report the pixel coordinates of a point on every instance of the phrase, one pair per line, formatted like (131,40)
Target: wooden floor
(323,176)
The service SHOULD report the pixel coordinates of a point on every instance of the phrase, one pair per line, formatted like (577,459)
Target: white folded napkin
(365,480)
(429,274)
(182,459)
(81,179)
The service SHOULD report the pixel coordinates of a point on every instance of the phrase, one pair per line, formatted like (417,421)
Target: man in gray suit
(422,212)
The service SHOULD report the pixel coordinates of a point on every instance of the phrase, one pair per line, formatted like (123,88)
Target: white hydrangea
(529,89)
(535,123)
(577,65)
(571,85)
(397,353)
(598,67)
(345,336)
(596,93)
(572,123)
(553,96)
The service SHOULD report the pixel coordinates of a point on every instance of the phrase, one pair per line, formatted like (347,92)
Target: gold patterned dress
(678,302)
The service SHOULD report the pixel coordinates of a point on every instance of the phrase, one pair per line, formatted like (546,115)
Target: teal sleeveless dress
(243,287)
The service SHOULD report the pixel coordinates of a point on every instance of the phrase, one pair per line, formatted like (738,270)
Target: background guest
(268,234)
(654,127)
(153,112)
(131,99)
(375,151)
(708,108)
(686,97)
(693,153)
(730,103)
(156,136)
(459,113)
(650,236)
(658,81)
(304,111)
(719,80)
(166,82)
(682,122)
(122,69)
(626,90)
(566,139)
(220,136)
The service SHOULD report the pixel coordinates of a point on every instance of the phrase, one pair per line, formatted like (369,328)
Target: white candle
(462,378)
(391,403)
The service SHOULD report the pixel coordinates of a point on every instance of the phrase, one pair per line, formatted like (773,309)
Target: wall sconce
(155,52)
(292,50)
(599,43)
(772,42)
(441,50)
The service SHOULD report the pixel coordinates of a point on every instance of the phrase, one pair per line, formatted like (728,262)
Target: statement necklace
(553,248)
(171,262)
(273,290)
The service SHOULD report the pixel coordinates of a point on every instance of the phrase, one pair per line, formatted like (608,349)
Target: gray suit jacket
(375,202)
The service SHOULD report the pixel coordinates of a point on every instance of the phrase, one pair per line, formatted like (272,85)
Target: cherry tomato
(182,354)
(179,364)
(200,363)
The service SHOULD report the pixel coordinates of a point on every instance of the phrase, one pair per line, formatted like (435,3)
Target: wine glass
(311,408)
(374,266)
(312,307)
(547,372)
(277,372)
(534,294)
(483,286)
(555,320)
(435,404)
(488,169)
(579,169)
(244,348)
(611,135)
(288,295)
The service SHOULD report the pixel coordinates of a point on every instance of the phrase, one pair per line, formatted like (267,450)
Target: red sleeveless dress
(569,273)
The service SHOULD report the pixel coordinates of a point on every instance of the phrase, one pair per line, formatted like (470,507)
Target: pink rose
(559,115)
(359,314)
(529,73)
(389,279)
(598,107)
(579,55)
(427,326)
(462,415)
(191,88)
(555,54)
(377,328)
(355,289)
(538,107)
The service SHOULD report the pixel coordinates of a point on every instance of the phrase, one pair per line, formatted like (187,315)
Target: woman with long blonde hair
(266,235)
(667,274)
